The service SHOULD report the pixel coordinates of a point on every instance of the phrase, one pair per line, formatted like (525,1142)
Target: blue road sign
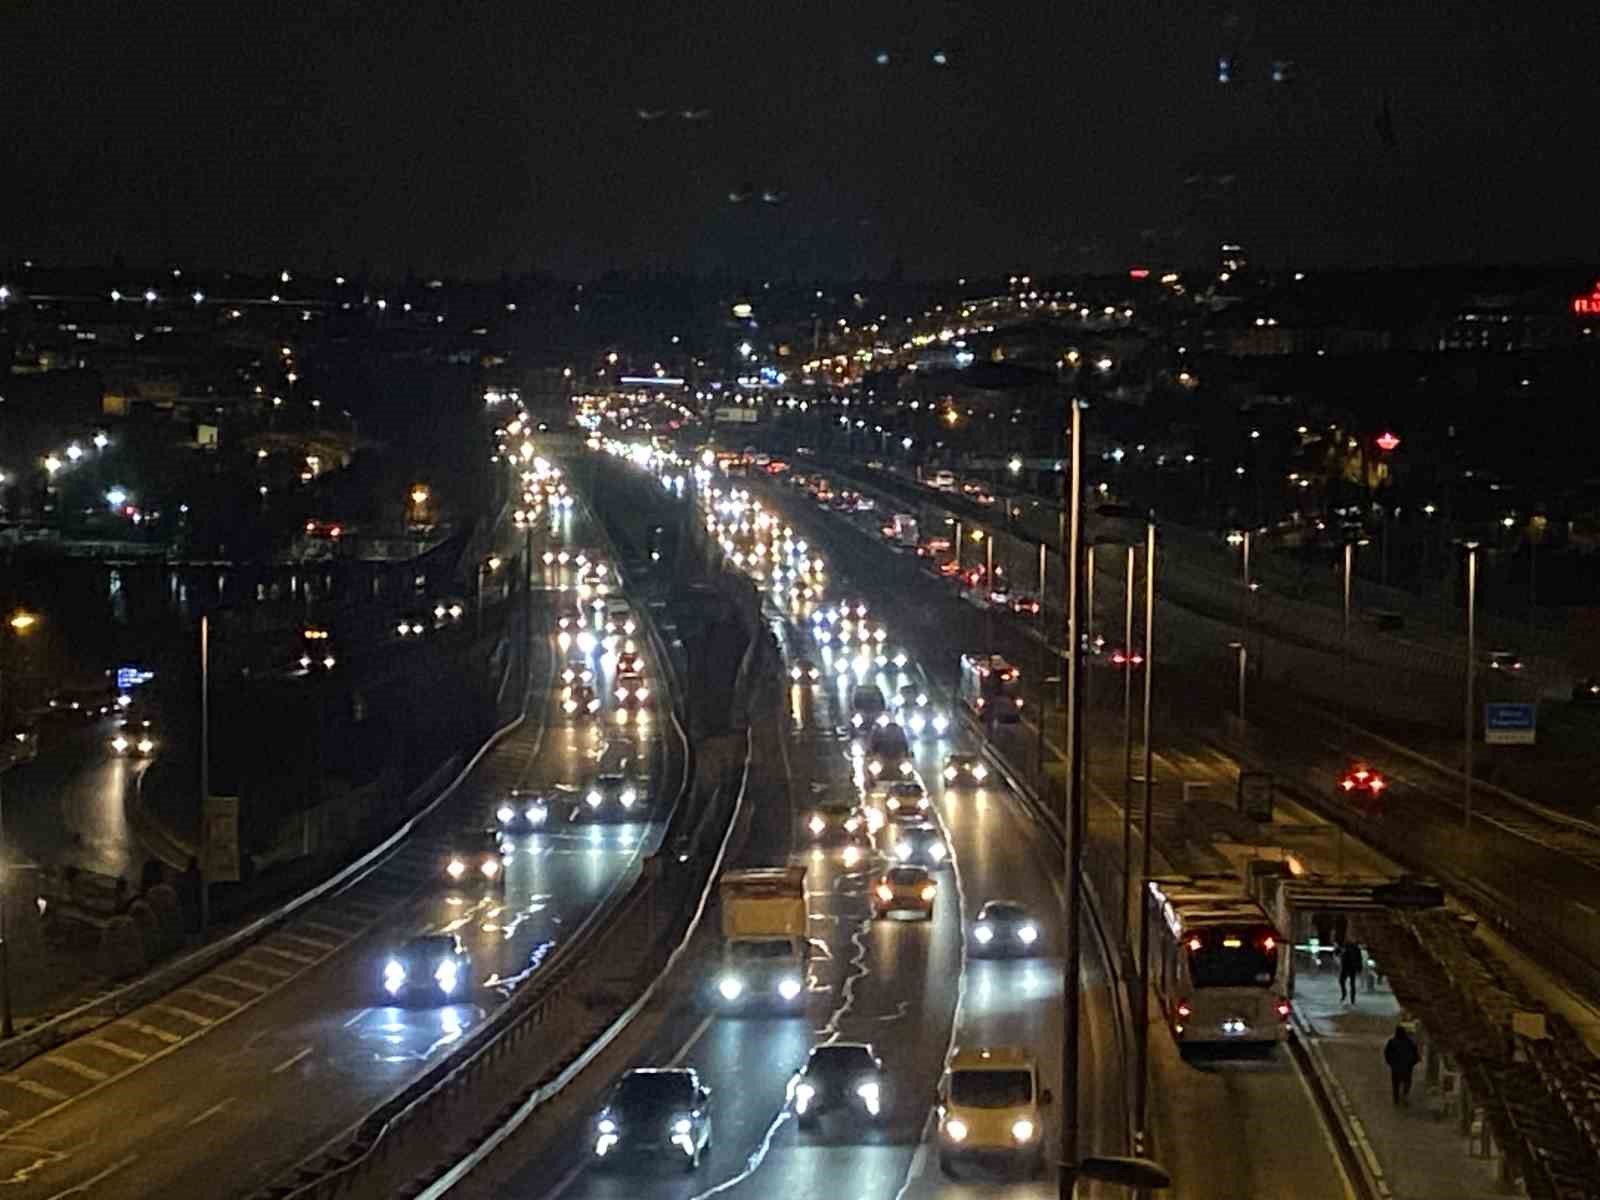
(1510,724)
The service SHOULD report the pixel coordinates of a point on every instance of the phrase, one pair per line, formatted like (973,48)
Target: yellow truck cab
(991,1109)
(765,939)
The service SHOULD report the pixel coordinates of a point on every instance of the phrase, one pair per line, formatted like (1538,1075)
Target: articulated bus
(1219,966)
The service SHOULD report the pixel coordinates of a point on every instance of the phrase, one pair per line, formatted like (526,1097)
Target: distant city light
(101,441)
(150,295)
(74,452)
(116,498)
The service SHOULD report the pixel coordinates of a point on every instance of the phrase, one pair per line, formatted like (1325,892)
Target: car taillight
(1283,1010)
(1184,1010)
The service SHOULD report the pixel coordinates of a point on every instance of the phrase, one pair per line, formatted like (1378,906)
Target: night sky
(478,138)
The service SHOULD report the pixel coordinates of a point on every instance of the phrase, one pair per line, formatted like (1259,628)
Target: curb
(1361,1160)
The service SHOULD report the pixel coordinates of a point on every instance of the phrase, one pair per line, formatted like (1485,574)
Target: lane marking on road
(186,1014)
(689,1044)
(38,1089)
(357,1017)
(1328,1139)
(92,1074)
(209,1113)
(214,998)
(79,1189)
(161,1035)
(343,935)
(275,972)
(259,989)
(113,1048)
(314,943)
(290,1061)
(303,960)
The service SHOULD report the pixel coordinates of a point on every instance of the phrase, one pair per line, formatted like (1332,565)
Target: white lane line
(259,989)
(302,959)
(289,1062)
(314,943)
(186,1014)
(38,1089)
(275,972)
(214,998)
(209,1113)
(79,1189)
(357,1017)
(92,1074)
(113,1048)
(343,935)
(699,1032)
(161,1035)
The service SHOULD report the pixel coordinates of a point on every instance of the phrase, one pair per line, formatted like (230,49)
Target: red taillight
(1361,773)
(1283,1009)
(1269,942)
(1347,784)
(1119,658)
(1377,783)
(1194,943)
(1184,1010)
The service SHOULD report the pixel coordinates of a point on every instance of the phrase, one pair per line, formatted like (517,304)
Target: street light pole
(1472,670)
(1127,744)
(7,1028)
(1141,1029)
(205,771)
(1071,998)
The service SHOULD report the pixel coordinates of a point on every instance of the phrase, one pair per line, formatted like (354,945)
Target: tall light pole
(1127,742)
(205,771)
(1073,562)
(1344,636)
(1472,673)
(1141,1028)
(20,623)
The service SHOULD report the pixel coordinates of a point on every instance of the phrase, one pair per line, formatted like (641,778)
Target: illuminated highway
(913,993)
(215,1081)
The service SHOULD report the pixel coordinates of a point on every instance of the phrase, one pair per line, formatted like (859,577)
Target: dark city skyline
(575,139)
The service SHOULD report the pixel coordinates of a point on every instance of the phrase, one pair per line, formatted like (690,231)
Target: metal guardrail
(542,1095)
(534,1007)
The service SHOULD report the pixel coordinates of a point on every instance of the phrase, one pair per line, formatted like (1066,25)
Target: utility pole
(1127,742)
(1472,672)
(205,772)
(1073,562)
(1141,1028)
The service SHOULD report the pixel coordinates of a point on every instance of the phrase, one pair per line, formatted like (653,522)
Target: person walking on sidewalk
(1351,964)
(1402,1055)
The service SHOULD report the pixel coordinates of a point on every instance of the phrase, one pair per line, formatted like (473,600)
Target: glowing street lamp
(74,452)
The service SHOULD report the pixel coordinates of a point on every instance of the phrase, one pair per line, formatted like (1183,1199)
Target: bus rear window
(1233,958)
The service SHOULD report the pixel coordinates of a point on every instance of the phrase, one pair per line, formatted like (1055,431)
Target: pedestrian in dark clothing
(1351,964)
(1402,1055)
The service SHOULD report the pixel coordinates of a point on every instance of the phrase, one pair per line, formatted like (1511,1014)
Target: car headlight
(641,694)
(628,796)
(936,851)
(928,892)
(394,976)
(871,1097)
(537,814)
(983,933)
(885,892)
(570,706)
(855,718)
(490,868)
(940,723)
(955,1129)
(980,772)
(1022,1130)
(875,768)
(731,987)
(119,744)
(592,799)
(505,813)
(918,724)
(606,1125)
(456,869)
(905,766)
(950,773)
(794,672)
(817,825)
(789,987)
(446,975)
(803,1095)
(681,1125)
(852,856)
(903,851)
(1028,934)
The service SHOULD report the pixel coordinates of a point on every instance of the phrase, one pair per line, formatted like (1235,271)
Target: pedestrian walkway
(1419,1147)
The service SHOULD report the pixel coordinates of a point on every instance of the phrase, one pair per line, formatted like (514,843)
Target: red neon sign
(1388,441)
(1588,306)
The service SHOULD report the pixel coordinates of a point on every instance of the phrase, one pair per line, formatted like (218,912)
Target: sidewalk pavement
(1419,1146)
